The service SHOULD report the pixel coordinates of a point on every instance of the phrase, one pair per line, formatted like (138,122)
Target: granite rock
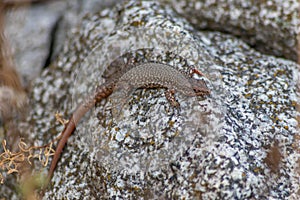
(238,143)
(220,147)
(37,32)
(29,31)
(270,26)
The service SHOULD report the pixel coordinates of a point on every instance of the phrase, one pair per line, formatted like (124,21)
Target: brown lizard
(145,75)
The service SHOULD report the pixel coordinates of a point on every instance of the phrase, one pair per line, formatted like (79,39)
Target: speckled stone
(29,30)
(211,148)
(37,32)
(271,26)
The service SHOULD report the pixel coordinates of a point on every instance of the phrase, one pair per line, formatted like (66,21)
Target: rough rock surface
(271,26)
(237,143)
(30,42)
(213,148)
(37,32)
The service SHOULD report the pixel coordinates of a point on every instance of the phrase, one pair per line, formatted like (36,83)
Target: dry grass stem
(11,162)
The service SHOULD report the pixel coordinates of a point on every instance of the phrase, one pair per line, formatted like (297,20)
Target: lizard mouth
(202,92)
(200,88)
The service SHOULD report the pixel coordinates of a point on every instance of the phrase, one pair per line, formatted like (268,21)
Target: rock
(270,26)
(29,30)
(219,147)
(37,32)
(34,32)
(214,148)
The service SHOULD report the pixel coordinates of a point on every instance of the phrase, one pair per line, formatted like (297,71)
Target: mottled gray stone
(75,10)
(37,32)
(28,30)
(212,148)
(271,26)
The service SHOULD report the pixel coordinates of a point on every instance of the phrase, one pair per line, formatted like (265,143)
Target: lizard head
(199,87)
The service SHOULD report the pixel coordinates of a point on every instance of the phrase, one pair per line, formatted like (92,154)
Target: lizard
(144,75)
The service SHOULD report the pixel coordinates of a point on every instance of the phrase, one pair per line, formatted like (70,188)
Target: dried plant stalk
(12,162)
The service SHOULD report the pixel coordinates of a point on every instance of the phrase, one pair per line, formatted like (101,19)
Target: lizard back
(152,75)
